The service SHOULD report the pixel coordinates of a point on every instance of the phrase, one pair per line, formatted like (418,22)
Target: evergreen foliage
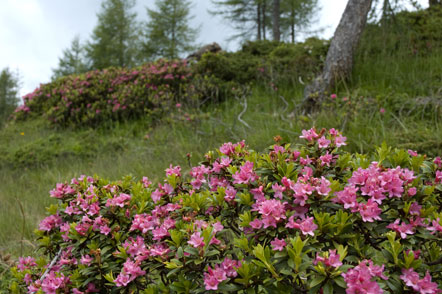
(115,38)
(73,60)
(9,86)
(168,32)
(257,17)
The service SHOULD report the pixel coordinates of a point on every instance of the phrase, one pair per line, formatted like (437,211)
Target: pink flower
(278,190)
(324,188)
(309,135)
(331,261)
(412,153)
(256,224)
(382,110)
(326,159)
(278,244)
(426,286)
(272,212)
(436,227)
(196,240)
(86,259)
(307,226)
(369,211)
(333,96)
(173,170)
(412,191)
(347,197)
(245,175)
(25,263)
(323,142)
(411,278)
(403,229)
(50,223)
(340,141)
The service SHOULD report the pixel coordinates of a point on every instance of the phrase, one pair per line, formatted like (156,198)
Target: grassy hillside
(393,97)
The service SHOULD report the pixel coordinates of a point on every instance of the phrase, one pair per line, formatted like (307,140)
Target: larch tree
(339,61)
(115,40)
(73,61)
(296,15)
(168,32)
(9,93)
(250,18)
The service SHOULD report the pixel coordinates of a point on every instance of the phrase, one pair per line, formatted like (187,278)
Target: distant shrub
(307,218)
(405,33)
(117,94)
(266,61)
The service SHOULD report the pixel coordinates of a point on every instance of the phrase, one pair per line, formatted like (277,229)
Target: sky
(34,33)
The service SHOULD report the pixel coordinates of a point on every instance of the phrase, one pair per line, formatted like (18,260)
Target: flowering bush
(295,219)
(119,93)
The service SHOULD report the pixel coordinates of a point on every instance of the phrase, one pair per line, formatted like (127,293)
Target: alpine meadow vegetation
(307,217)
(346,199)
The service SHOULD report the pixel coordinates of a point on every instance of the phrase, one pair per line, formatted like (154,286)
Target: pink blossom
(50,223)
(436,227)
(196,240)
(412,153)
(412,191)
(332,260)
(324,187)
(333,96)
(369,211)
(347,197)
(25,263)
(272,212)
(245,175)
(411,278)
(256,224)
(326,159)
(323,142)
(340,141)
(230,194)
(173,170)
(307,226)
(309,135)
(278,190)
(278,244)
(86,259)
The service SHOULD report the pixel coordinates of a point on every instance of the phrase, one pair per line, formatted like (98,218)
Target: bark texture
(339,61)
(276,18)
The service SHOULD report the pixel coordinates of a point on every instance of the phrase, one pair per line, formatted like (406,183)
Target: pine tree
(115,38)
(168,32)
(73,61)
(9,88)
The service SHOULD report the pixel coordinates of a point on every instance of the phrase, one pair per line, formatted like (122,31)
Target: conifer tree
(9,87)
(73,61)
(168,33)
(115,39)
(296,15)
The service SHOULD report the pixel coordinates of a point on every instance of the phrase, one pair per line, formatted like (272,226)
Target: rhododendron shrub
(306,218)
(119,93)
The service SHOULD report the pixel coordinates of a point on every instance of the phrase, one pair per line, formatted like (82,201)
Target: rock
(213,48)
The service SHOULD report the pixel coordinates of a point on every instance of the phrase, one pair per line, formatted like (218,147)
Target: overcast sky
(33,33)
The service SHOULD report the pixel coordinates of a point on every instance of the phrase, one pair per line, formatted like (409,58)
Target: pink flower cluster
(245,175)
(376,184)
(61,190)
(331,259)
(424,285)
(360,278)
(227,269)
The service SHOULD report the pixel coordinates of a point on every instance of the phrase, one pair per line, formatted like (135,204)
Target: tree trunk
(264,24)
(292,25)
(276,16)
(339,61)
(259,21)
